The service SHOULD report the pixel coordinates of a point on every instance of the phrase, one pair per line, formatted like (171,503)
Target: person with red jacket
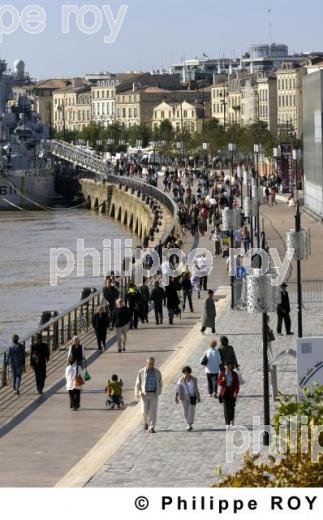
(228,382)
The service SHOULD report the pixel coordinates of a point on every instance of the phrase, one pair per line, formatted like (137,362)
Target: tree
(164,132)
(141,133)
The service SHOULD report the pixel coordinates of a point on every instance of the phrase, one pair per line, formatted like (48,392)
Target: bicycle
(83,324)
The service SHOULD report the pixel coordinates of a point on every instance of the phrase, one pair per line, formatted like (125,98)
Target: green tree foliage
(141,133)
(291,468)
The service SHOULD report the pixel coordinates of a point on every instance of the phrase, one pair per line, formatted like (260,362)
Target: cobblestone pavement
(174,457)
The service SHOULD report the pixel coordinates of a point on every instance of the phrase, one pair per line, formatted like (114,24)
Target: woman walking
(74,372)
(229,389)
(188,393)
(211,360)
(209,313)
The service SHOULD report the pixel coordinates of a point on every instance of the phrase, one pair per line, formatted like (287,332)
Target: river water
(25,243)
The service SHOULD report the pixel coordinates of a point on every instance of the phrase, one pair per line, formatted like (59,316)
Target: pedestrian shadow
(149,351)
(248,396)
(56,389)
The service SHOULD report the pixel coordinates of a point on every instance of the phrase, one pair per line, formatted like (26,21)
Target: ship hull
(26,189)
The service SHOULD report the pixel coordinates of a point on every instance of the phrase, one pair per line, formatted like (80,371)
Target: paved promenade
(174,457)
(50,444)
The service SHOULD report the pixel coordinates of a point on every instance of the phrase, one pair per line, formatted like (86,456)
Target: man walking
(148,388)
(227,353)
(123,320)
(283,312)
(16,360)
(100,323)
(111,294)
(172,300)
(158,297)
(39,357)
(186,285)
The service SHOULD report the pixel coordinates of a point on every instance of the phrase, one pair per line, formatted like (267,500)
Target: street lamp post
(299,277)
(262,297)
(230,222)
(299,239)
(179,146)
(257,150)
(206,159)
(232,148)
(277,155)
(297,153)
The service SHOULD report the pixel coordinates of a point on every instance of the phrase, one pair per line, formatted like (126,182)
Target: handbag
(204,360)
(271,335)
(78,381)
(193,399)
(241,378)
(87,376)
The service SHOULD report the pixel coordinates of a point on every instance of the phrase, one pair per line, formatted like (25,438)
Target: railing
(61,329)
(312,292)
(58,331)
(103,171)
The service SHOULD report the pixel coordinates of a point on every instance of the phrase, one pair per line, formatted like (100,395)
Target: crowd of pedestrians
(200,199)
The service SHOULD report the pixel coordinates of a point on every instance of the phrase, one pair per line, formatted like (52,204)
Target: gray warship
(27,175)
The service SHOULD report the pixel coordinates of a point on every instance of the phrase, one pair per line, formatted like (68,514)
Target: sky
(153,33)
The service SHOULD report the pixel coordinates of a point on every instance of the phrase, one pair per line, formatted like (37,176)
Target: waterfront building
(184,116)
(72,108)
(313,140)
(43,97)
(290,99)
(103,95)
(137,105)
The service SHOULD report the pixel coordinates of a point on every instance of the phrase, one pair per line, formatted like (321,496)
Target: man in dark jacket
(111,294)
(16,360)
(227,353)
(144,302)
(283,311)
(39,357)
(172,300)
(133,302)
(123,320)
(186,285)
(100,322)
(158,297)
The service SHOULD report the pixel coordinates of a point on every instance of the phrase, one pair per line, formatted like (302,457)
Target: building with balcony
(290,99)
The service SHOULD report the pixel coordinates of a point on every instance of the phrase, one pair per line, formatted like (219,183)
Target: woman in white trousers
(188,393)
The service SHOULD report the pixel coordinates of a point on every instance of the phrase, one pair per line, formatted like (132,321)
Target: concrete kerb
(130,419)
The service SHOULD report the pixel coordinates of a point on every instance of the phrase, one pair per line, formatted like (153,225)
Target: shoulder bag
(193,398)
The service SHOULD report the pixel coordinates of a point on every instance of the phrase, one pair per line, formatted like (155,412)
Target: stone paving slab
(174,457)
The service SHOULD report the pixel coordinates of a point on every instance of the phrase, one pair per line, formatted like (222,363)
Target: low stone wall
(125,205)
(145,210)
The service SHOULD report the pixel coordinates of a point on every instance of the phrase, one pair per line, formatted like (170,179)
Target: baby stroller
(111,403)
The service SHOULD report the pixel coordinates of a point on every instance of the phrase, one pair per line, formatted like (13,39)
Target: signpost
(309,362)
(286,166)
